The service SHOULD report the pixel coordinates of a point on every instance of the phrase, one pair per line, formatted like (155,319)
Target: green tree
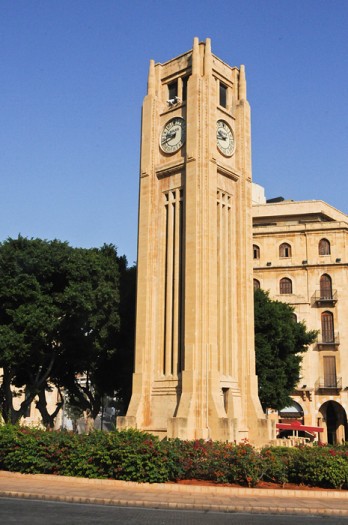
(59,320)
(280,342)
(123,362)
(90,329)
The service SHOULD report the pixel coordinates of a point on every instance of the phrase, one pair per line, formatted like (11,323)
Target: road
(35,512)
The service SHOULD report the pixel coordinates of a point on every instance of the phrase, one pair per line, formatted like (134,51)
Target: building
(300,254)
(194,358)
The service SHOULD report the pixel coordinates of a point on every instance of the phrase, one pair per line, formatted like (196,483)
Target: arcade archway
(333,418)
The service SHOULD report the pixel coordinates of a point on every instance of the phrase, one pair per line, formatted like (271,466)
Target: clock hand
(222,135)
(170,135)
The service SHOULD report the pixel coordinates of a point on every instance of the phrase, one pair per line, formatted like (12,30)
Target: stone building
(300,254)
(194,358)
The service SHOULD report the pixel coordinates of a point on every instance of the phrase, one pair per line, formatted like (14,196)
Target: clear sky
(73,74)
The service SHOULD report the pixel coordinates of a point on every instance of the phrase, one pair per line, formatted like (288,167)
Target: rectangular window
(223,95)
(225,392)
(327,327)
(173,90)
(184,88)
(330,379)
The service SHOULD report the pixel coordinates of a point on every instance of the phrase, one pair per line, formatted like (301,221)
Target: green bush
(215,461)
(320,467)
(129,455)
(201,460)
(277,462)
(132,455)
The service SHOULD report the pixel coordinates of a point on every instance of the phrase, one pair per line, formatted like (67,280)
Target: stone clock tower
(194,360)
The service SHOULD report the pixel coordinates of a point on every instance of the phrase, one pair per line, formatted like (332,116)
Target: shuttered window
(285,286)
(327,327)
(330,379)
(325,287)
(324,247)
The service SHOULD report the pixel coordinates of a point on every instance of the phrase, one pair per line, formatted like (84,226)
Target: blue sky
(73,76)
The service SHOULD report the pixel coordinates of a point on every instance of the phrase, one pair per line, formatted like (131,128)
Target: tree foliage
(280,342)
(59,321)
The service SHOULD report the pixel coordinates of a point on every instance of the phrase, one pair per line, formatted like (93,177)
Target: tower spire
(242,83)
(207,57)
(151,78)
(195,56)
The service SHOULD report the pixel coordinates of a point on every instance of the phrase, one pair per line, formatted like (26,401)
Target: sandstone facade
(194,359)
(300,255)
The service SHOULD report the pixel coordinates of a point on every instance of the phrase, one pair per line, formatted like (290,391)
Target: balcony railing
(325,298)
(327,340)
(329,383)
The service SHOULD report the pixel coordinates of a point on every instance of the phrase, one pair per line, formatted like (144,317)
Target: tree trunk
(8,412)
(48,419)
(89,421)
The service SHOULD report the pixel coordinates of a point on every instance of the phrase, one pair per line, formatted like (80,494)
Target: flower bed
(137,456)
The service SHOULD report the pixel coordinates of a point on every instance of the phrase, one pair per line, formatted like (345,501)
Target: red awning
(296,425)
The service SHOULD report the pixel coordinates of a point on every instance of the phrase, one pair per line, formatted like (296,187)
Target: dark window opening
(225,392)
(184,88)
(256,251)
(285,250)
(173,90)
(223,95)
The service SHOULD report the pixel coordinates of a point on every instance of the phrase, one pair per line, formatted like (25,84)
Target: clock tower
(194,371)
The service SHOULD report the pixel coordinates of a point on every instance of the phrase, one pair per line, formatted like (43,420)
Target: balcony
(325,298)
(329,340)
(329,384)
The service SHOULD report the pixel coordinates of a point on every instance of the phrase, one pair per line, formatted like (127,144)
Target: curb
(178,506)
(180,497)
(177,488)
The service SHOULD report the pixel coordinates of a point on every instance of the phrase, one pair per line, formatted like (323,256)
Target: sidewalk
(173,496)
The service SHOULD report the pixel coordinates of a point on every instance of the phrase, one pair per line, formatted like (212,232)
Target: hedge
(132,455)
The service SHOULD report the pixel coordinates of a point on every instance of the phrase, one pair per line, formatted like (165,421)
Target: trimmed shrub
(128,455)
(325,467)
(132,455)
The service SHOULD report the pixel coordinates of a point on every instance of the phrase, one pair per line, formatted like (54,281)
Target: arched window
(285,286)
(324,247)
(327,327)
(325,287)
(294,317)
(285,250)
(256,251)
(257,285)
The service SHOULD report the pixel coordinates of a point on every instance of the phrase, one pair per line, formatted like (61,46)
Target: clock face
(173,135)
(224,138)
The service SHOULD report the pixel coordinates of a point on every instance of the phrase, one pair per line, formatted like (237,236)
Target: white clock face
(173,135)
(224,138)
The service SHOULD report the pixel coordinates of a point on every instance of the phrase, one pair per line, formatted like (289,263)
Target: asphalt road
(34,512)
